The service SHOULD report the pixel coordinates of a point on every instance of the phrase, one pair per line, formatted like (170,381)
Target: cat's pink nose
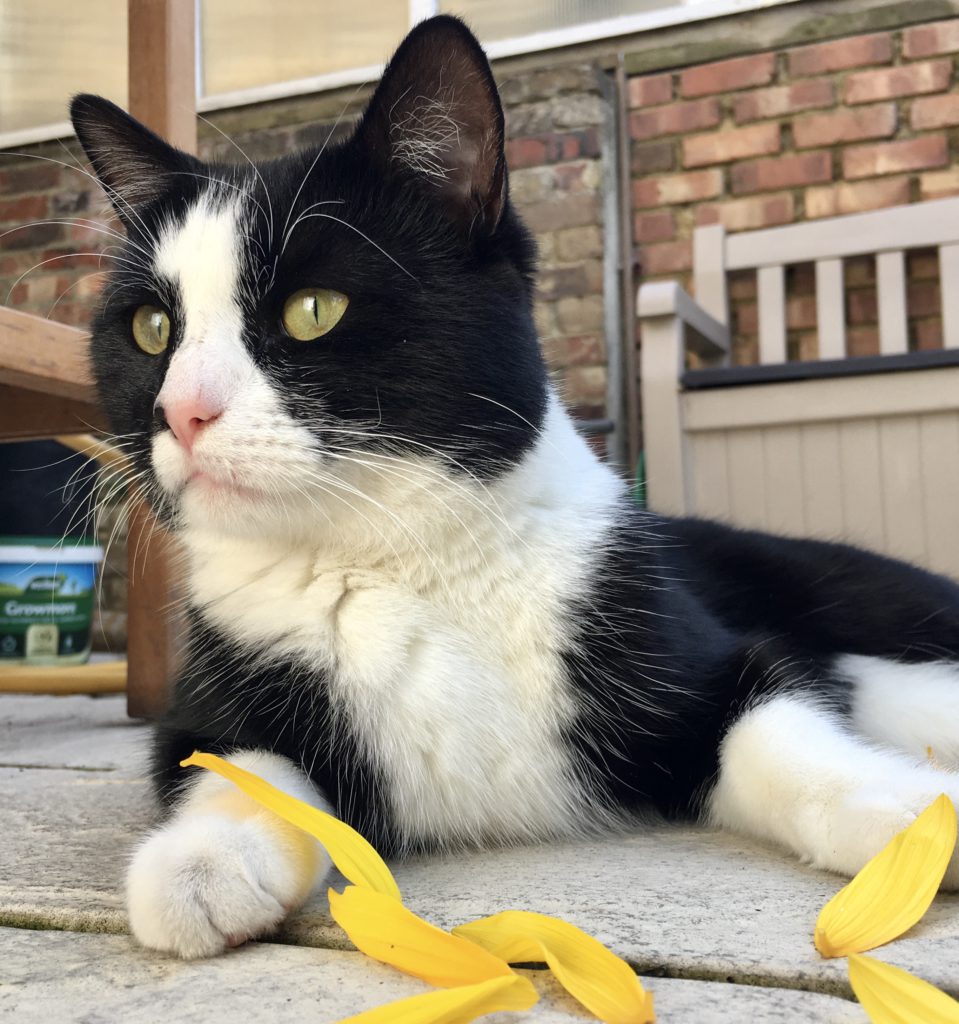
(187,417)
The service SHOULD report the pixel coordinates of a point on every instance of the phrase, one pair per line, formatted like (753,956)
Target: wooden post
(162,94)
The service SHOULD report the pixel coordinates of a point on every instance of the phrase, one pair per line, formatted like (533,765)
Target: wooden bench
(864,449)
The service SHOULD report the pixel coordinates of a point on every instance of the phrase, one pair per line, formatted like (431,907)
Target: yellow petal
(894,889)
(604,984)
(348,850)
(384,929)
(455,1005)
(893,996)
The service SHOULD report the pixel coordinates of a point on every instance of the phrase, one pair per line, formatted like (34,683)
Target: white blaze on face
(201,257)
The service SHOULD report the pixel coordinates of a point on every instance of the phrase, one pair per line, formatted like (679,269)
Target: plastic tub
(46,599)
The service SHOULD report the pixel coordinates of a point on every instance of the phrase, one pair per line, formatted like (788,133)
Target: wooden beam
(32,415)
(161,58)
(155,625)
(42,355)
(97,677)
(162,94)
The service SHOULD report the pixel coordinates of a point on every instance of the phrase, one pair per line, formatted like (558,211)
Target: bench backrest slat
(891,294)
(830,309)
(772,314)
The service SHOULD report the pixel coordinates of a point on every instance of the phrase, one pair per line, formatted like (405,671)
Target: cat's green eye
(151,329)
(310,313)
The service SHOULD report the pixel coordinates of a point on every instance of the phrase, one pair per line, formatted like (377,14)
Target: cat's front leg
(222,869)
(794,773)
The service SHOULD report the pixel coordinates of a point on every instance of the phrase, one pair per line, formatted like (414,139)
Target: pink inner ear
(437,114)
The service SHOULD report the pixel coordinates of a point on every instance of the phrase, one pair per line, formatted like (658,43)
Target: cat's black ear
(134,165)
(437,114)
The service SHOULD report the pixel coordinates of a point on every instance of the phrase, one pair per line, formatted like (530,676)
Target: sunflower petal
(384,929)
(894,889)
(348,850)
(455,1005)
(893,996)
(604,984)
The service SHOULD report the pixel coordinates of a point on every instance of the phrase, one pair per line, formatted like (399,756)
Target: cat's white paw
(869,818)
(208,881)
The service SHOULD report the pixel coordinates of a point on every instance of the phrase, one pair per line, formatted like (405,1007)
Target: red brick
(922,264)
(650,157)
(861,306)
(731,144)
(747,214)
(551,148)
(929,40)
(906,80)
(726,75)
(747,318)
(934,112)
(782,172)
(32,236)
(666,258)
(674,189)
(845,126)
(33,177)
(855,197)
(862,341)
(23,209)
(572,177)
(937,184)
(779,100)
(924,298)
(801,312)
(674,119)
(893,157)
(522,153)
(741,284)
(857,52)
(650,90)
(654,227)
(928,334)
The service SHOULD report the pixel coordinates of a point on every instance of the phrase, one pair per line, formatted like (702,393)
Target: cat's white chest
(462,713)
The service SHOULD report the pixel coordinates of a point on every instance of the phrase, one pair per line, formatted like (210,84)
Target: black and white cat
(416,596)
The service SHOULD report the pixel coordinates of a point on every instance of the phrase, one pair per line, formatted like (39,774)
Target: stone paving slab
(675,901)
(70,732)
(94,979)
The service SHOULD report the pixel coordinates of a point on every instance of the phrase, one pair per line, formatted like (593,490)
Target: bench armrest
(703,334)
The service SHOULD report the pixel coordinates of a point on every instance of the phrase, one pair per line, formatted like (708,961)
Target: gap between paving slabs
(113,922)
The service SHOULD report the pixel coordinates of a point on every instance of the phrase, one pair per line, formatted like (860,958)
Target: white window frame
(685,12)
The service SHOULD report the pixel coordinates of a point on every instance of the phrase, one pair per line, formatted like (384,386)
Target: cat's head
(268,329)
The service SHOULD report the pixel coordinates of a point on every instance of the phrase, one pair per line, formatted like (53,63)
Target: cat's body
(416,594)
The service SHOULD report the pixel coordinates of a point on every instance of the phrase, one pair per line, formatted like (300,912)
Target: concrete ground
(719,928)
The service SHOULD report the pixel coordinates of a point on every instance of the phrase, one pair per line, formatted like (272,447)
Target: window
(51,49)
(251,50)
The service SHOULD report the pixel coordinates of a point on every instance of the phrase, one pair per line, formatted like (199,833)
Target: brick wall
(836,127)
(554,120)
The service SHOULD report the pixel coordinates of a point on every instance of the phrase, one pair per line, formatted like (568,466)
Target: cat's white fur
(893,702)
(432,601)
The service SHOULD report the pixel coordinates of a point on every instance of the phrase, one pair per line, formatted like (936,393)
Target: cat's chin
(210,504)
(235,511)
